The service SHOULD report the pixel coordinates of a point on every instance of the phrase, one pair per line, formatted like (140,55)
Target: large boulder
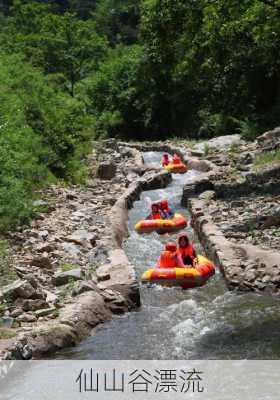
(62,278)
(27,317)
(220,142)
(84,286)
(106,170)
(88,311)
(34,305)
(18,289)
(270,140)
(200,165)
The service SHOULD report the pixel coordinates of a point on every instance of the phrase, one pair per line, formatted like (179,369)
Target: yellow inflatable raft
(176,168)
(175,224)
(187,278)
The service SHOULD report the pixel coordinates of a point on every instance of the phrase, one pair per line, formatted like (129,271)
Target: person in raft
(169,257)
(176,159)
(155,212)
(186,250)
(166,210)
(165,160)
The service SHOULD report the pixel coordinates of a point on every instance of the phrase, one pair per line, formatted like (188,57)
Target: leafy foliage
(42,131)
(72,71)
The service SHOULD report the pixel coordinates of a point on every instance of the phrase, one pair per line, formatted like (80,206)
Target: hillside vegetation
(72,71)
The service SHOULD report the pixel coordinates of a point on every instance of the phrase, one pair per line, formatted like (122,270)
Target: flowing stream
(204,323)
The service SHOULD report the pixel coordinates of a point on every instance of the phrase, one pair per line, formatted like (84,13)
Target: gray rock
(16,312)
(51,298)
(103,272)
(19,288)
(196,153)
(62,278)
(221,142)
(26,352)
(27,317)
(33,305)
(246,158)
(82,287)
(250,276)
(38,203)
(270,140)
(208,195)
(71,249)
(43,234)
(77,215)
(82,237)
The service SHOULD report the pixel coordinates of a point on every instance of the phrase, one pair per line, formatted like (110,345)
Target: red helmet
(165,155)
(170,246)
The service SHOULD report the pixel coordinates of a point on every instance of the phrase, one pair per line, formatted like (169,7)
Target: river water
(204,323)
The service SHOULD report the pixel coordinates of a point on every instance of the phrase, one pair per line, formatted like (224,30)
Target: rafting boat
(187,278)
(175,224)
(176,168)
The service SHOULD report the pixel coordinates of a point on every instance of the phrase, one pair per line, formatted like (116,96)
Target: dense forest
(76,70)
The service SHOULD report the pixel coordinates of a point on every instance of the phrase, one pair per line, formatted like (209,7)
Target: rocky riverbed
(236,211)
(251,219)
(70,271)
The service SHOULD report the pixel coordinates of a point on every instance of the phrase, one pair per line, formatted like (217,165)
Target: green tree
(116,95)
(60,44)
(118,20)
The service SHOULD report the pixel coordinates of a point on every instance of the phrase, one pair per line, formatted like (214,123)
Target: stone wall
(244,267)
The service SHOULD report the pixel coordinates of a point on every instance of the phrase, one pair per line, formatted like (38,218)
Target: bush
(247,128)
(215,124)
(43,132)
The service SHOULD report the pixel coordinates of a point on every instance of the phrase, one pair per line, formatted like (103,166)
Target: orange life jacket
(168,260)
(156,216)
(186,251)
(176,160)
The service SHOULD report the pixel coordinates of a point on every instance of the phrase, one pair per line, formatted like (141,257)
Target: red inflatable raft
(176,168)
(187,278)
(162,225)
